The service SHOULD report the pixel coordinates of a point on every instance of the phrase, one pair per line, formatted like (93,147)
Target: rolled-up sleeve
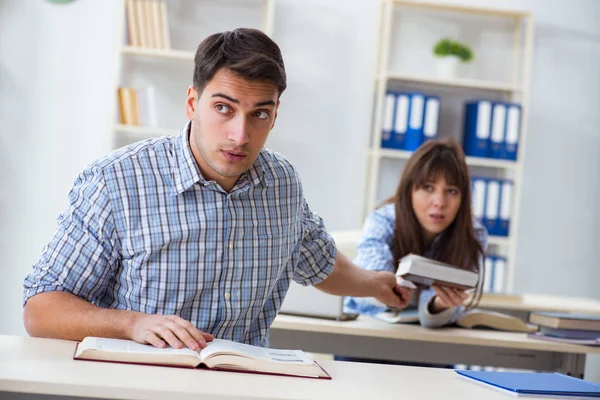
(317,250)
(374,253)
(81,256)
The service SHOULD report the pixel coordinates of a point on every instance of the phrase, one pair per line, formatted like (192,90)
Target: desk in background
(371,338)
(46,367)
(522,305)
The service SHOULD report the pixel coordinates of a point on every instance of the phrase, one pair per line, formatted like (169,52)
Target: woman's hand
(446,297)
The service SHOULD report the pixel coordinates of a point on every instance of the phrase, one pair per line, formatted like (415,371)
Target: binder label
(432,108)
(401,114)
(416,112)
(483,119)
(512,128)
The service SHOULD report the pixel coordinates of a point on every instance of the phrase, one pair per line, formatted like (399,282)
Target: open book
(427,272)
(218,354)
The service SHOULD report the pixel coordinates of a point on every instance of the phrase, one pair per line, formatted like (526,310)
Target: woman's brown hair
(457,244)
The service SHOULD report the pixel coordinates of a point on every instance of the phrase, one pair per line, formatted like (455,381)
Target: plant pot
(446,67)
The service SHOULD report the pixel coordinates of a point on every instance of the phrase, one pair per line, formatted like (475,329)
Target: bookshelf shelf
(144,132)
(456,83)
(158,53)
(471,161)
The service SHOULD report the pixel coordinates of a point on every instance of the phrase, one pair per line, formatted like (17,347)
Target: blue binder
(535,383)
(492,206)
(513,132)
(387,126)
(478,117)
(505,210)
(432,118)
(401,120)
(478,189)
(497,134)
(414,133)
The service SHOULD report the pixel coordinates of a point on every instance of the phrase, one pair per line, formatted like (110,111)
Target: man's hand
(391,293)
(160,330)
(447,297)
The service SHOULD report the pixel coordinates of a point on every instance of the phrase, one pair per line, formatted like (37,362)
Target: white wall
(56,66)
(56,70)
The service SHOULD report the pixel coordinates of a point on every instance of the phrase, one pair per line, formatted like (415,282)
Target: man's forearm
(349,280)
(63,315)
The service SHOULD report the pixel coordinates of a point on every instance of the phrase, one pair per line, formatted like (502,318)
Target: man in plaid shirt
(176,240)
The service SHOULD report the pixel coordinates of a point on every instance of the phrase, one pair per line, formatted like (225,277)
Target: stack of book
(568,328)
(137,106)
(147,24)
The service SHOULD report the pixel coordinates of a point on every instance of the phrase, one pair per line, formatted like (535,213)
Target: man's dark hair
(247,52)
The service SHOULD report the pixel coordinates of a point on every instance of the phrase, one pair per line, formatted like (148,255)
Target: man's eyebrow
(236,101)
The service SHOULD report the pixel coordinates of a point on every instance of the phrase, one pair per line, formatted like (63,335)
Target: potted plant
(449,53)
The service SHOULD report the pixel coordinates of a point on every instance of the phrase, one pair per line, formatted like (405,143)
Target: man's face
(230,124)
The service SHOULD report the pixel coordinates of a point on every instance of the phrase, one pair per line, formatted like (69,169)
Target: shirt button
(231,245)
(227,296)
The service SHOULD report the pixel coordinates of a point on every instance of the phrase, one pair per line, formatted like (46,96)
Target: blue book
(535,383)
(478,123)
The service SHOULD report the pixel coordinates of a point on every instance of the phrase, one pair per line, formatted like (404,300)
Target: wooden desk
(371,338)
(46,367)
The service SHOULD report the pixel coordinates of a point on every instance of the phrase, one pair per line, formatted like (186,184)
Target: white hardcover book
(427,272)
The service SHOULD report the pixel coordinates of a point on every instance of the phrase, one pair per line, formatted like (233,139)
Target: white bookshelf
(179,56)
(515,87)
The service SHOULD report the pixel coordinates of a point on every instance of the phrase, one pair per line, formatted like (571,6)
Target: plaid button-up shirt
(146,232)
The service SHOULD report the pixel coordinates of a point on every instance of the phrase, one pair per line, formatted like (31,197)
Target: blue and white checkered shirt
(146,232)
(375,253)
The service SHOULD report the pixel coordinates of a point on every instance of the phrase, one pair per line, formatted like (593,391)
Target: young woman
(430,215)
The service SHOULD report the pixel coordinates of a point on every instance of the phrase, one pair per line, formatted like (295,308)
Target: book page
(128,346)
(219,347)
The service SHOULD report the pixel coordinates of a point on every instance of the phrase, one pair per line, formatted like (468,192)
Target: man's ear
(191,101)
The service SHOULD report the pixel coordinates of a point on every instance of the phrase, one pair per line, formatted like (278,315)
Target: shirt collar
(187,173)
